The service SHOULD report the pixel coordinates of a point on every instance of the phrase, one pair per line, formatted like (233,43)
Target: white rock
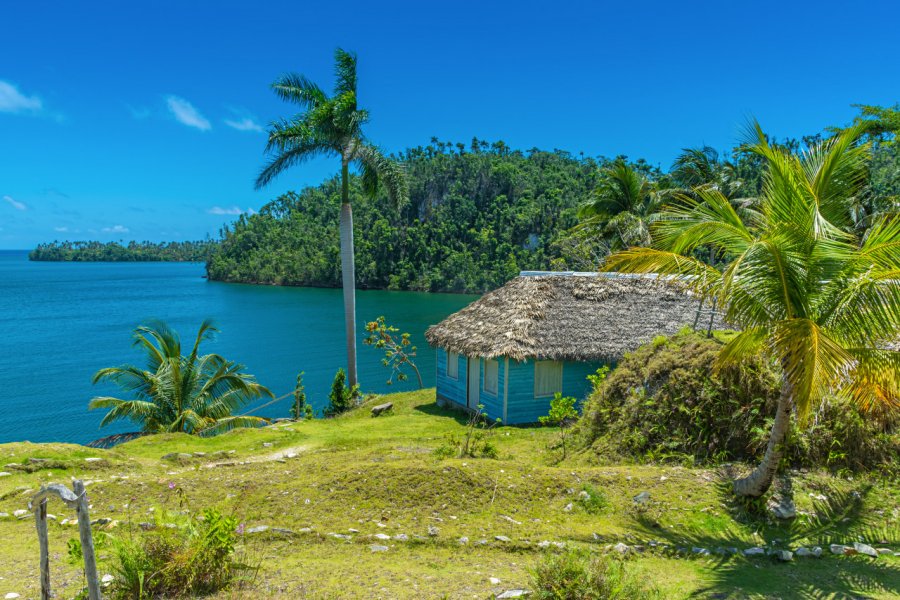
(377,548)
(401,537)
(107,579)
(642,498)
(621,548)
(11,596)
(94,459)
(513,594)
(568,507)
(258,529)
(381,536)
(883,550)
(20,514)
(837,548)
(494,580)
(463,540)
(756,551)
(4,474)
(865,549)
(785,555)
(502,538)
(267,444)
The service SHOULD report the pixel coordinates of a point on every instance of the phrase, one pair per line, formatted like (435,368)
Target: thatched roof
(570,317)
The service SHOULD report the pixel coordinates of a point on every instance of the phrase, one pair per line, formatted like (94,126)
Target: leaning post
(40,518)
(87,540)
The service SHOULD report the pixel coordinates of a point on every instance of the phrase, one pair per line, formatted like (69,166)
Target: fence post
(41,523)
(87,541)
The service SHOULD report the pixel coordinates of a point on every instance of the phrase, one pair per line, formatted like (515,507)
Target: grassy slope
(356,471)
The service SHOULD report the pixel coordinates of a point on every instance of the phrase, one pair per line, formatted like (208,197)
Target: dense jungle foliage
(665,403)
(480,213)
(116,252)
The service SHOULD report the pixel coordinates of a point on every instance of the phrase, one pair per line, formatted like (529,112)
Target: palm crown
(798,281)
(190,394)
(329,126)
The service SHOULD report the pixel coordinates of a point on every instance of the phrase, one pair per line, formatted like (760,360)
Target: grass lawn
(381,476)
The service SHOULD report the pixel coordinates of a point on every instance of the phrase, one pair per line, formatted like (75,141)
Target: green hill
(361,477)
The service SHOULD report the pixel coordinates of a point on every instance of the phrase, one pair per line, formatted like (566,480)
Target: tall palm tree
(176,393)
(332,126)
(801,284)
(622,205)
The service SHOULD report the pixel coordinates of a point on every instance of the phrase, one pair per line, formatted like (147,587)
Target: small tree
(398,351)
(562,414)
(301,409)
(342,398)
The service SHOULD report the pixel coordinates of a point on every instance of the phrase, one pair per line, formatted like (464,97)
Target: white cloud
(61,229)
(232,210)
(245,124)
(15,203)
(186,114)
(115,229)
(14,101)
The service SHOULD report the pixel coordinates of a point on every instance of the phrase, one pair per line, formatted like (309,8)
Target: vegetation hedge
(664,402)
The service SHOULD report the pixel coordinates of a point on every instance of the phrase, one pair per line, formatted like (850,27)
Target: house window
(547,378)
(452,365)
(491,368)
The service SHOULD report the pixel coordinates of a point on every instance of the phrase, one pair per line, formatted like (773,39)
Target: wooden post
(40,516)
(87,541)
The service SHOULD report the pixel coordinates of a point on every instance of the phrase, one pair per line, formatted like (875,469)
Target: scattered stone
(621,548)
(583,495)
(177,456)
(351,530)
(11,596)
(20,514)
(51,517)
(783,510)
(402,537)
(267,444)
(340,536)
(755,551)
(4,515)
(381,536)
(883,550)
(382,408)
(510,519)
(102,521)
(93,459)
(642,498)
(377,548)
(433,531)
(463,540)
(481,542)
(291,455)
(199,454)
(840,549)
(803,552)
(513,594)
(494,580)
(547,544)
(785,555)
(865,549)
(700,551)
(107,579)
(502,538)
(5,474)
(568,507)
(147,526)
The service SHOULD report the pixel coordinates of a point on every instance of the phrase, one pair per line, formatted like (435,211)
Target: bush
(183,555)
(663,403)
(341,397)
(579,576)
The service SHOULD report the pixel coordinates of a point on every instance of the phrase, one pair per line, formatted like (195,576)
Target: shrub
(341,397)
(593,500)
(579,576)
(663,403)
(474,442)
(562,414)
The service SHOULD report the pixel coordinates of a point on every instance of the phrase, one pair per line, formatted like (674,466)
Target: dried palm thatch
(568,317)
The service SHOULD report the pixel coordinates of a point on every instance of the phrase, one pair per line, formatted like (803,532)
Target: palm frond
(344,71)
(296,88)
(379,170)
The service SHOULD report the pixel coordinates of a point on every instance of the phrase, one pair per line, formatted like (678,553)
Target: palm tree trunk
(348,274)
(758,482)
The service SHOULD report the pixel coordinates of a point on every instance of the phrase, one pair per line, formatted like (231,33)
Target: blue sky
(128,120)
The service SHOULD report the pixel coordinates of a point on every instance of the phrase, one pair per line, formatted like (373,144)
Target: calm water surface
(61,322)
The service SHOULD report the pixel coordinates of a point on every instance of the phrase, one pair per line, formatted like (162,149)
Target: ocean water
(61,322)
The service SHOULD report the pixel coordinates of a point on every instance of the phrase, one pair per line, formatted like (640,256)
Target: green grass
(358,472)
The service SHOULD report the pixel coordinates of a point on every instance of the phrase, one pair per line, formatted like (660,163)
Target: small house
(514,348)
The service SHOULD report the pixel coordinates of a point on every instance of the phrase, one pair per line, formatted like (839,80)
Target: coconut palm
(332,126)
(190,394)
(622,205)
(800,283)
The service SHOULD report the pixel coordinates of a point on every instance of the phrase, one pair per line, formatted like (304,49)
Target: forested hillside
(116,252)
(477,215)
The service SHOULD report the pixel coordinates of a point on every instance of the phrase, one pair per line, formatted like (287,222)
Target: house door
(474,374)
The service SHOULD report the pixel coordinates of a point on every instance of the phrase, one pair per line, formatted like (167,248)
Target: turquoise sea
(61,322)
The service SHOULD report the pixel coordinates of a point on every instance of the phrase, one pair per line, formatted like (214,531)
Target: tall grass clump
(665,403)
(579,576)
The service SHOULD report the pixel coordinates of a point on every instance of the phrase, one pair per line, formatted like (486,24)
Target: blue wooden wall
(522,406)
